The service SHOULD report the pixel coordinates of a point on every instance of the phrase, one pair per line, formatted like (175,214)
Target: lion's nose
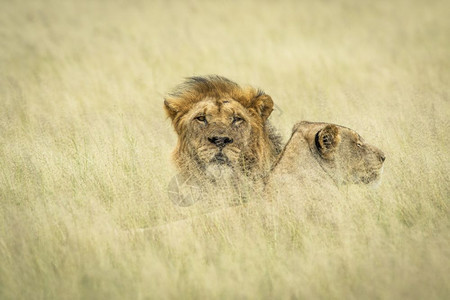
(382,157)
(220,141)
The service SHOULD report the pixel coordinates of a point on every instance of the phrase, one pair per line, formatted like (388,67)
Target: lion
(323,156)
(223,130)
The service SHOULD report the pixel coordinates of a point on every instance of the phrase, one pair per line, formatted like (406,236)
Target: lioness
(223,131)
(321,153)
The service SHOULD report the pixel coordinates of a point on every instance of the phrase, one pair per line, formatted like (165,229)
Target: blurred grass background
(85,149)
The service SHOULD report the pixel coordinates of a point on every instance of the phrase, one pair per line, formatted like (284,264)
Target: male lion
(223,131)
(318,154)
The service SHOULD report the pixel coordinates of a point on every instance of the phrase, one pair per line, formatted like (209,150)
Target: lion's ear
(327,141)
(170,108)
(263,104)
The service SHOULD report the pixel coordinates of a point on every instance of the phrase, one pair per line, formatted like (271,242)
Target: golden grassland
(85,149)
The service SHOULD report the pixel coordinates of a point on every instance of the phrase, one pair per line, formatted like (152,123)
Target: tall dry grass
(85,149)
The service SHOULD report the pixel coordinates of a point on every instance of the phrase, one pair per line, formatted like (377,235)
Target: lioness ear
(327,141)
(170,108)
(263,104)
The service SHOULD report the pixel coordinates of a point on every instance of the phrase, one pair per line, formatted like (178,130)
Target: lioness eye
(359,144)
(201,119)
(237,119)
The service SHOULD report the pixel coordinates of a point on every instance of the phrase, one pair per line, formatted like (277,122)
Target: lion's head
(326,150)
(222,128)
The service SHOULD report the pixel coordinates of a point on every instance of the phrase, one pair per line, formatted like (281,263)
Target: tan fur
(323,155)
(206,109)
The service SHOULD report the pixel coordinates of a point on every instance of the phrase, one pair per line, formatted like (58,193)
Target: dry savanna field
(85,150)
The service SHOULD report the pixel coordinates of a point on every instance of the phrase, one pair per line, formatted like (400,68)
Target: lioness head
(342,153)
(222,128)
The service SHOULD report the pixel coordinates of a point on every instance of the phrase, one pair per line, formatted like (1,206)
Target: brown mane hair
(264,144)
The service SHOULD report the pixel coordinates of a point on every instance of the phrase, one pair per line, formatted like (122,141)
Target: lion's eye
(237,119)
(359,144)
(201,119)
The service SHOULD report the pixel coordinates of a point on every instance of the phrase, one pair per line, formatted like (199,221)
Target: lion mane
(222,128)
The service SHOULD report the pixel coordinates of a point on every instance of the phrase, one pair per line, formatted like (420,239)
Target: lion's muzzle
(220,158)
